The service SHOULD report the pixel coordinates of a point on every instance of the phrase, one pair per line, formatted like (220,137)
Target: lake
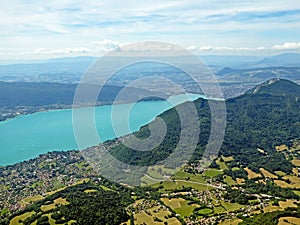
(27,136)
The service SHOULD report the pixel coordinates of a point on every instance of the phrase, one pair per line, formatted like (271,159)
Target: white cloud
(62,51)
(102,47)
(226,48)
(62,26)
(287,46)
(106,45)
(192,48)
(206,48)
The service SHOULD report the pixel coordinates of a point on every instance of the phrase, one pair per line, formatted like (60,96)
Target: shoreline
(40,109)
(72,148)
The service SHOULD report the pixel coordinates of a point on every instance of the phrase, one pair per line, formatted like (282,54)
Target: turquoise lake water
(27,136)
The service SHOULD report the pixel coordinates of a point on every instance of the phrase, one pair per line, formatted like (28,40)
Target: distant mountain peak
(225,70)
(276,86)
(285,59)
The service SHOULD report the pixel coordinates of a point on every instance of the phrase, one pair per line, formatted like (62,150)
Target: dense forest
(96,207)
(254,120)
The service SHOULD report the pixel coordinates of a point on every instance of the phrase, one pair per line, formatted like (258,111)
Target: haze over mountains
(72,68)
(13,94)
(236,74)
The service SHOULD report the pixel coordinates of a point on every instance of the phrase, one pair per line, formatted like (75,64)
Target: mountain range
(71,69)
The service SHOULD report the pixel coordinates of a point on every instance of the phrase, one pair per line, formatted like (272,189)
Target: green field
(219,210)
(297,192)
(185,210)
(158,212)
(180,206)
(212,172)
(222,165)
(205,211)
(231,206)
(228,180)
(172,185)
(181,175)
(159,171)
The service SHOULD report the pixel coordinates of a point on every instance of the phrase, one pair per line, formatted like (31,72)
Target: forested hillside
(260,120)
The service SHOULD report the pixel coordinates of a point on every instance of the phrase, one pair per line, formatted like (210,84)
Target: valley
(255,177)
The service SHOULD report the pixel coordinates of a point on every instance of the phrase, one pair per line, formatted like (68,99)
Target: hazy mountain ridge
(28,97)
(71,69)
(261,73)
(286,59)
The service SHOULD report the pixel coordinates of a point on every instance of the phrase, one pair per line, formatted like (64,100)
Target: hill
(276,86)
(264,119)
(41,94)
(286,59)
(262,74)
(29,97)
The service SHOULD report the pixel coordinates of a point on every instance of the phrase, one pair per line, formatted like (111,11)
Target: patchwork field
(154,215)
(222,165)
(30,199)
(281,183)
(296,162)
(287,203)
(295,171)
(24,216)
(294,182)
(267,174)
(59,201)
(227,159)
(272,208)
(231,222)
(251,174)
(288,221)
(280,173)
(281,148)
(240,180)
(180,206)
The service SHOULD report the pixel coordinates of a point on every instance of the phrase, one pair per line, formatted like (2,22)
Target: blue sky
(43,29)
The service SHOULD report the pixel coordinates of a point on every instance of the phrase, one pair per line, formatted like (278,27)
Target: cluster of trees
(101,207)
(241,173)
(237,196)
(270,188)
(98,207)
